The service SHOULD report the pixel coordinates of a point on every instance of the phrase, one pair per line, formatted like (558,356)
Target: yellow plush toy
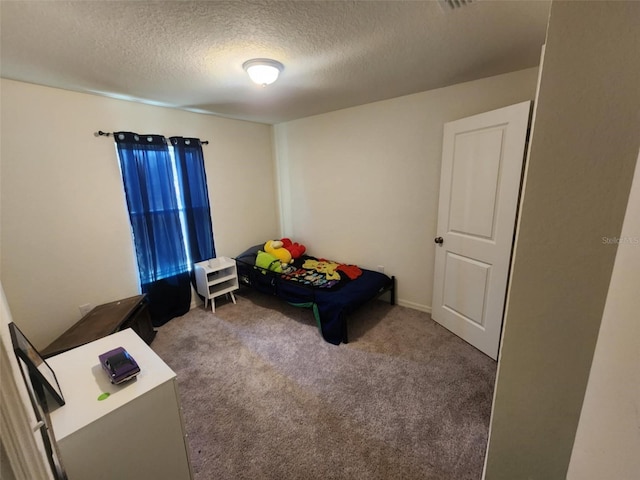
(275,248)
(323,266)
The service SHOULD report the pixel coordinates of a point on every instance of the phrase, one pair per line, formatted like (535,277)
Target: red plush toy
(295,249)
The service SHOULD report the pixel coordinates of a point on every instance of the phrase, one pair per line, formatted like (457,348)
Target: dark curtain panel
(155,220)
(168,298)
(195,197)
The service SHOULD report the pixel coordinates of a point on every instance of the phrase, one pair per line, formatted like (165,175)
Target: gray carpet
(264,397)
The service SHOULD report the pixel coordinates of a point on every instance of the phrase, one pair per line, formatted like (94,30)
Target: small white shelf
(216,277)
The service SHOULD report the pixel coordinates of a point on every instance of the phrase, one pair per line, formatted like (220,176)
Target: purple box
(119,365)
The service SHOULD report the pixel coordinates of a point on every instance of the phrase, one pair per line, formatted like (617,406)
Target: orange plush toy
(295,249)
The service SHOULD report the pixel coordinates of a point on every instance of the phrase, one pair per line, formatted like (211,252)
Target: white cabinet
(136,432)
(216,277)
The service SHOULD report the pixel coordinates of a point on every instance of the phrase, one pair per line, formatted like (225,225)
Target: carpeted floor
(264,397)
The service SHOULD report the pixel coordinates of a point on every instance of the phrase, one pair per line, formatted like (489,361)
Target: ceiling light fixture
(263,71)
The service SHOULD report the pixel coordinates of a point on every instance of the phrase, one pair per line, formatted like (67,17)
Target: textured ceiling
(337,54)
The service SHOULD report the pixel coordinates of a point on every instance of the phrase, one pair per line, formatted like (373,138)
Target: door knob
(439,240)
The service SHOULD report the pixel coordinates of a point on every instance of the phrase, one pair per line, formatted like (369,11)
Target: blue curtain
(195,197)
(152,200)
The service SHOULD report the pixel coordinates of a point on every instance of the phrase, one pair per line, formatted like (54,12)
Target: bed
(331,300)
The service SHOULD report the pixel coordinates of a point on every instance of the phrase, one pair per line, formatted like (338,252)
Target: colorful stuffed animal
(323,266)
(267,261)
(275,248)
(296,249)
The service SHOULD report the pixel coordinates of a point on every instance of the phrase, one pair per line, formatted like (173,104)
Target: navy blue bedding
(331,306)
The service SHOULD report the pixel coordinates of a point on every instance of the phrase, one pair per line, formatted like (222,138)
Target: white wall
(608,437)
(361,185)
(65,238)
(583,151)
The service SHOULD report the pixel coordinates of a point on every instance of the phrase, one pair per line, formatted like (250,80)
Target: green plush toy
(268,262)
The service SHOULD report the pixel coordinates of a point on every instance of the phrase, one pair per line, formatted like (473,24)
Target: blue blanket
(331,306)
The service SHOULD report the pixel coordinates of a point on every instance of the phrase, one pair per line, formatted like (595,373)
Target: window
(167,198)
(181,208)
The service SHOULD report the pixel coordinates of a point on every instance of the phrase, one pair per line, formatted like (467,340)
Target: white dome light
(263,71)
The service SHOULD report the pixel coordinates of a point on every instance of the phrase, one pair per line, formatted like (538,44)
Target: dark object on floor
(104,320)
(168,298)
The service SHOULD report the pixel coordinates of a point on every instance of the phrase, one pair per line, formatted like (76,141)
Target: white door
(482,159)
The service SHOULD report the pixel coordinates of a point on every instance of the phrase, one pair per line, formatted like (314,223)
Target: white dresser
(136,432)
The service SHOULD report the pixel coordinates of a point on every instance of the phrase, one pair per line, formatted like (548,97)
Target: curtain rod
(100,133)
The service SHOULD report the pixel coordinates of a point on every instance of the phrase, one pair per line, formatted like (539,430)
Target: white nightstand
(216,277)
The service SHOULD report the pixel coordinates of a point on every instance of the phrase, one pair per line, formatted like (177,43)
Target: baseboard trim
(415,306)
(196,302)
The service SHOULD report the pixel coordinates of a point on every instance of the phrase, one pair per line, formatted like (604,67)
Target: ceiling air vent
(448,5)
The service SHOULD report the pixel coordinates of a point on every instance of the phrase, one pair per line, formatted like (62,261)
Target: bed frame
(332,307)
(391,288)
